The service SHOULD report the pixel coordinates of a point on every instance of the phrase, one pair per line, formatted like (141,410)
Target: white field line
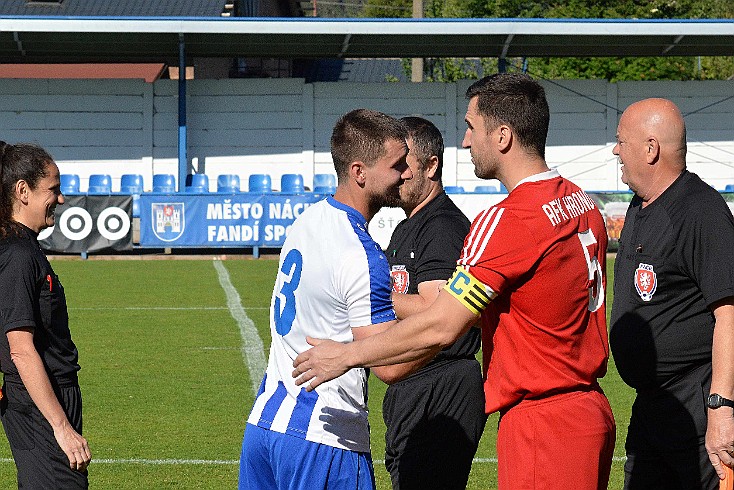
(162,308)
(220,462)
(253,351)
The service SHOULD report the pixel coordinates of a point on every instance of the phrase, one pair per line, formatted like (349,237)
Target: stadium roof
(169,8)
(54,39)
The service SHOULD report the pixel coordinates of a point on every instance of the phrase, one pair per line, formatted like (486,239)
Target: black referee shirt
(426,247)
(32,296)
(675,259)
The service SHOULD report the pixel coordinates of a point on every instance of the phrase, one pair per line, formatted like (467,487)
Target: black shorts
(434,421)
(40,462)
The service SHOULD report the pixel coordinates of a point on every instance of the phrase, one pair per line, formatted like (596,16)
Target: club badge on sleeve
(400,279)
(646,281)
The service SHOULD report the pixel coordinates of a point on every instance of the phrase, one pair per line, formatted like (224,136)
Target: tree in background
(612,69)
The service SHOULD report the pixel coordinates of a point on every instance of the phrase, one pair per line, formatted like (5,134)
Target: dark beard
(380,201)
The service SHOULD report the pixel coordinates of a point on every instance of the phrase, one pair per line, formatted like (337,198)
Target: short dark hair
(360,135)
(23,161)
(518,101)
(427,141)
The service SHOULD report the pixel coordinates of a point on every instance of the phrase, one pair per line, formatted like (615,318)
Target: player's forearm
(383,350)
(420,336)
(417,337)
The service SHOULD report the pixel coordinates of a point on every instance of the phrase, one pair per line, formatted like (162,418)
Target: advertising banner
(263,220)
(613,207)
(90,224)
(219,220)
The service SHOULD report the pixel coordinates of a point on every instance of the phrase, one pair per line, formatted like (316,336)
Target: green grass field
(166,388)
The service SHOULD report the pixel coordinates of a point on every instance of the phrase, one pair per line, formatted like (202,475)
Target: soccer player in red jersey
(533,268)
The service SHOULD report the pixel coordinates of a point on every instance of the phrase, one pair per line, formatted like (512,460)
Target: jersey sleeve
(499,249)
(19,290)
(365,282)
(706,249)
(439,246)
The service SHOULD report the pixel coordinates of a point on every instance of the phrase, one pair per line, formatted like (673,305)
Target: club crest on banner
(400,279)
(646,281)
(168,220)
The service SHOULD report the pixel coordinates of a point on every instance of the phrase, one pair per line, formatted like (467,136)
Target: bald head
(659,120)
(651,147)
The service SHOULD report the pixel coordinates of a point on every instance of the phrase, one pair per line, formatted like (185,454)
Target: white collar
(550,174)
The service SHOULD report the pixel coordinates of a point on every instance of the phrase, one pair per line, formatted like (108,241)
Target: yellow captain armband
(469,290)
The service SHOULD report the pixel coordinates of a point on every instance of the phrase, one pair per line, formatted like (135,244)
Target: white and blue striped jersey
(332,277)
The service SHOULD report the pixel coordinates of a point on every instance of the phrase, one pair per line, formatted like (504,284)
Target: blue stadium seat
(99,184)
(69,184)
(324,184)
(228,183)
(292,183)
(454,189)
(131,184)
(260,183)
(729,188)
(197,183)
(486,189)
(164,183)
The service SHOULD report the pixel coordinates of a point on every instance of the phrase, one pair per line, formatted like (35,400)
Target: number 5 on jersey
(284,314)
(588,240)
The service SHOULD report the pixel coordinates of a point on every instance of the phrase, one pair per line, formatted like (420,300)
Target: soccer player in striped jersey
(333,282)
(533,269)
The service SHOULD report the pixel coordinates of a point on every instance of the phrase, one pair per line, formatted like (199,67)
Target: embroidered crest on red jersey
(400,279)
(646,281)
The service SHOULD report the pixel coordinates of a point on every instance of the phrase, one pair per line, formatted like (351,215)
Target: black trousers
(666,436)
(434,421)
(40,462)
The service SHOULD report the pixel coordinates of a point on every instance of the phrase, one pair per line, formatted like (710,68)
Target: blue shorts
(271,460)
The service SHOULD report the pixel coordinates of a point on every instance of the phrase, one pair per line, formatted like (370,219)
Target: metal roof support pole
(502,61)
(183,162)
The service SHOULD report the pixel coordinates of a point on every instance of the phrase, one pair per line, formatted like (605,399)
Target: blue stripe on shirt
(272,406)
(301,416)
(381,309)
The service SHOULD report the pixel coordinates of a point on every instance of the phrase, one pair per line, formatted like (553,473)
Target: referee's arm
(720,429)
(35,379)
(410,304)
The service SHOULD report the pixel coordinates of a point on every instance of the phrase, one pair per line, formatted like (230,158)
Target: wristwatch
(716,401)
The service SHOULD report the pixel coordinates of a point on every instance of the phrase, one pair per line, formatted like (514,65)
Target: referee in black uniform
(41,405)
(434,417)
(672,325)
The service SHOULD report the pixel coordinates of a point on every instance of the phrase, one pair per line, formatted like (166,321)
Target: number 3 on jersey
(588,239)
(285,314)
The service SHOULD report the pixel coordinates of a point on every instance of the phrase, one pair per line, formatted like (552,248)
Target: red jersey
(542,252)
